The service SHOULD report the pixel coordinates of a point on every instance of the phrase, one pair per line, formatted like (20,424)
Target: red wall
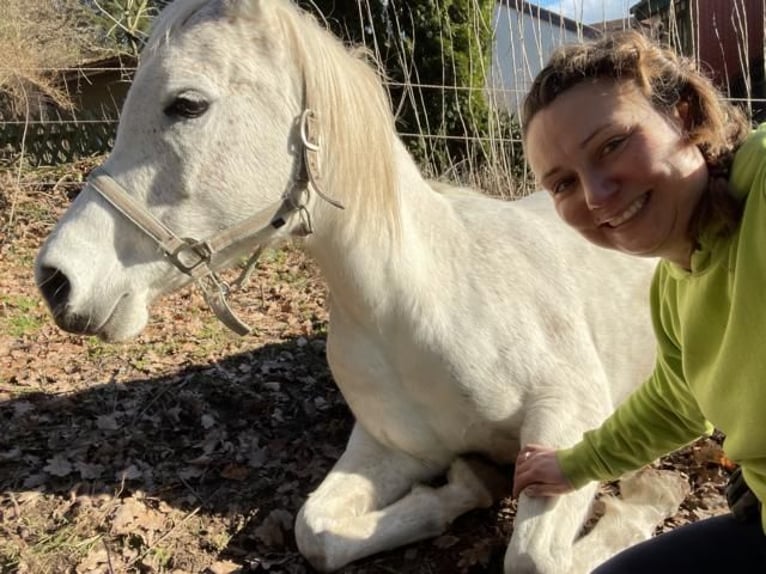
(723,26)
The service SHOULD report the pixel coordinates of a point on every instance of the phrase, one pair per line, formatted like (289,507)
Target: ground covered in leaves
(188,449)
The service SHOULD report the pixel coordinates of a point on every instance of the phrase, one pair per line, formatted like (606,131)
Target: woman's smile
(629,214)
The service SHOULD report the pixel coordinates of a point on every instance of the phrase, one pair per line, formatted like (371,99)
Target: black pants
(717,545)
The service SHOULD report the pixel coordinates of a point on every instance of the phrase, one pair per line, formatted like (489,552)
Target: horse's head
(211,139)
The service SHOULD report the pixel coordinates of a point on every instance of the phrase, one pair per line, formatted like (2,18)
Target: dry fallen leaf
(446,541)
(134,514)
(107,422)
(97,557)
(207,421)
(478,554)
(235,472)
(726,462)
(58,466)
(89,471)
(272,530)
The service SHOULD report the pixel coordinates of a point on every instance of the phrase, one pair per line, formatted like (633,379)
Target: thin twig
(112,18)
(16,509)
(108,556)
(164,536)
(15,192)
(177,385)
(190,488)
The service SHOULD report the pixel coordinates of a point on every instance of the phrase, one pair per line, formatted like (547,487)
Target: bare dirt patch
(191,450)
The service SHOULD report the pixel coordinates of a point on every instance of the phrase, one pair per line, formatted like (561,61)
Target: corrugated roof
(553,18)
(91,68)
(647,8)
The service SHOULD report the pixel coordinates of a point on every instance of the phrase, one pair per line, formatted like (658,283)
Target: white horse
(459,324)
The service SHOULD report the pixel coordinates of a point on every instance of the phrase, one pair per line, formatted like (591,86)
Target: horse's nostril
(55,288)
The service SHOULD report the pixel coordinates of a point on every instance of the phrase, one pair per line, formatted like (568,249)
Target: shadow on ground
(210,461)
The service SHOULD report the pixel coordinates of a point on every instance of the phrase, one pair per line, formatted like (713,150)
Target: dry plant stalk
(35,37)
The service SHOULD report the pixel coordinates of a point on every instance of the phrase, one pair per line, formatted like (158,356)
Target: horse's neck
(367,269)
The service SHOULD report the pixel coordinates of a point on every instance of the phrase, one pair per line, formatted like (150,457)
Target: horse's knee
(331,540)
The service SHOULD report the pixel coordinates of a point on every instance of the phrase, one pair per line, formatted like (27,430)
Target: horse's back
(606,291)
(530,229)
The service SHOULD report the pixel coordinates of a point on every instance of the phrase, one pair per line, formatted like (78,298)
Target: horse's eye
(183,107)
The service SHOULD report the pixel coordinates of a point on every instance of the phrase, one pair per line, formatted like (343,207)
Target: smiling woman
(642,155)
(621,172)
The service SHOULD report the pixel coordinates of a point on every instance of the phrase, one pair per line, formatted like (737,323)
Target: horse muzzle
(117,322)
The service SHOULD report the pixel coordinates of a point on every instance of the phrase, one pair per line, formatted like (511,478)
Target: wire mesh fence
(523,35)
(55,136)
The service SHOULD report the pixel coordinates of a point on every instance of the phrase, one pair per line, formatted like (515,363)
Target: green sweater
(710,372)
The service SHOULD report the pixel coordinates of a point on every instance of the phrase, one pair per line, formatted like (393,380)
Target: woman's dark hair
(667,80)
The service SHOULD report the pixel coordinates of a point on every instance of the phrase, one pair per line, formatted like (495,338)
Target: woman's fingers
(538,473)
(529,469)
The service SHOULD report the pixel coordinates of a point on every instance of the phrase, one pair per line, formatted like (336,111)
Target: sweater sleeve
(659,417)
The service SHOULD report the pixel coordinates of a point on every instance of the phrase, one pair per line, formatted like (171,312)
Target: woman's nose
(599,190)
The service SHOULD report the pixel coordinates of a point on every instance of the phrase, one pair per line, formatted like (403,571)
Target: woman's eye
(561,186)
(189,108)
(612,145)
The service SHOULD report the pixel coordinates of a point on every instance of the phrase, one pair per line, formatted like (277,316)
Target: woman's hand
(538,473)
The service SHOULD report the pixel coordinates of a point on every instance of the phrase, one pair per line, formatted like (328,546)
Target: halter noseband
(194,258)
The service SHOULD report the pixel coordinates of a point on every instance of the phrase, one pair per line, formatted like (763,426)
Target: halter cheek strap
(195,258)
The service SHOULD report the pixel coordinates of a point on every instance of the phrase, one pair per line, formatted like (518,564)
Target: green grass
(63,545)
(21,315)
(97,349)
(161,557)
(34,212)
(21,256)
(274,257)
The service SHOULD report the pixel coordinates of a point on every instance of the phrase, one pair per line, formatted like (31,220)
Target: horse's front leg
(372,501)
(544,532)
(545,535)
(545,528)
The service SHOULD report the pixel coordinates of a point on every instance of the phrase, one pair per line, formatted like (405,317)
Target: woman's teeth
(629,213)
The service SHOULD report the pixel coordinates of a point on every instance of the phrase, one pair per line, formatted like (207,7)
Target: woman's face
(620,172)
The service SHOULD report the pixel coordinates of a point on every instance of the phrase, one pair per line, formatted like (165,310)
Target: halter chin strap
(195,258)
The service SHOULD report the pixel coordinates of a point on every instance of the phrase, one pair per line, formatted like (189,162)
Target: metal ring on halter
(311,157)
(307,116)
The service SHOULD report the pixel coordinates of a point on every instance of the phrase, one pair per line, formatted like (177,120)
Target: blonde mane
(356,123)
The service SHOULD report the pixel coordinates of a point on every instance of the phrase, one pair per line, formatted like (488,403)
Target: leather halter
(195,258)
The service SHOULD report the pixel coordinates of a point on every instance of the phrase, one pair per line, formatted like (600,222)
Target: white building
(525,35)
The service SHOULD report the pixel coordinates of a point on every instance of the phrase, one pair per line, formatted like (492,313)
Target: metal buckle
(200,251)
